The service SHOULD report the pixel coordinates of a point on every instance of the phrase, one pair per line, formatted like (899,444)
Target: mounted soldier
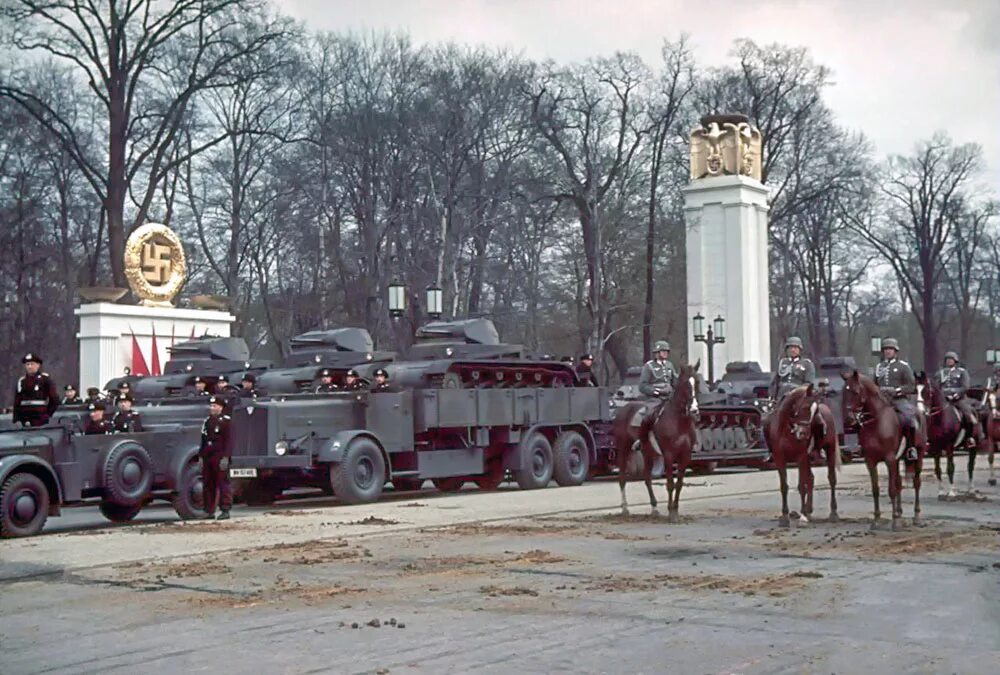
(794,370)
(954,382)
(895,380)
(658,376)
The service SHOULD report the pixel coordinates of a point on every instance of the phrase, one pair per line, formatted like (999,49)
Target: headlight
(449,351)
(336,444)
(280,448)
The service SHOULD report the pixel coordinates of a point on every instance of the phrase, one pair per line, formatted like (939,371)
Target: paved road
(544,581)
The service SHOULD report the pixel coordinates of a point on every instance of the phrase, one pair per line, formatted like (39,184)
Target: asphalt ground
(544,581)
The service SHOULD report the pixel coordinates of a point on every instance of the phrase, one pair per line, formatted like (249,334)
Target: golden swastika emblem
(156,262)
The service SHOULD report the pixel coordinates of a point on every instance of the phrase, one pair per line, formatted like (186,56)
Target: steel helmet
(951,355)
(890,343)
(793,342)
(661,346)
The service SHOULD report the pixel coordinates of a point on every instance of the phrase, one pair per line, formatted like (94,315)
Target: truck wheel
(188,499)
(128,474)
(536,462)
(572,459)
(704,468)
(118,513)
(448,484)
(24,505)
(259,492)
(360,475)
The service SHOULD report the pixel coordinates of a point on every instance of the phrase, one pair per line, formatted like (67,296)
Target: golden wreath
(159,295)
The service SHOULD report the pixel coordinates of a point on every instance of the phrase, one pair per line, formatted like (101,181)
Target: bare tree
(969,270)
(120,49)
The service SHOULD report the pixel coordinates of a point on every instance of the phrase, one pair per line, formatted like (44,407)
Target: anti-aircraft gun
(467,354)
(336,350)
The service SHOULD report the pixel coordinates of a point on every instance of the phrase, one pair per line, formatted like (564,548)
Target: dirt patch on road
(307,552)
(196,527)
(887,545)
(481,530)
(498,591)
(477,564)
(537,557)
(373,520)
(771,585)
(173,570)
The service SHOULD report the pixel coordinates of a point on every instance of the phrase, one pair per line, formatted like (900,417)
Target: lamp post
(435,302)
(712,338)
(397,299)
(992,355)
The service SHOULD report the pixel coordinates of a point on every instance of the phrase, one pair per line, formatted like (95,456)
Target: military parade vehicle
(466,408)
(44,469)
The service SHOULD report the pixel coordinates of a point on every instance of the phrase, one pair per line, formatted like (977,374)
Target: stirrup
(911,455)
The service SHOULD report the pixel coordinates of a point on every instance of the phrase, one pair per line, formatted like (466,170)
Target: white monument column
(112,334)
(725,211)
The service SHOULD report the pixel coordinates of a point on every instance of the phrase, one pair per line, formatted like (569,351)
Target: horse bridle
(798,426)
(859,414)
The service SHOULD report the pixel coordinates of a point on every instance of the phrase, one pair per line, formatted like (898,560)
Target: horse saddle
(647,409)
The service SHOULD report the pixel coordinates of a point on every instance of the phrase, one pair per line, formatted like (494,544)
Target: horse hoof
(673,517)
(874,525)
(918,521)
(654,512)
(783,521)
(992,482)
(803,520)
(896,525)
(834,518)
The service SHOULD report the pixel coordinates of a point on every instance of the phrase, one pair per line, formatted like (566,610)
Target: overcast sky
(902,68)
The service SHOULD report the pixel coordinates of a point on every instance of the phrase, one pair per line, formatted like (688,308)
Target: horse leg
(973,453)
(951,473)
(989,460)
(673,514)
(917,469)
(648,476)
(895,493)
(804,471)
(937,474)
(832,459)
(668,469)
(783,480)
(873,476)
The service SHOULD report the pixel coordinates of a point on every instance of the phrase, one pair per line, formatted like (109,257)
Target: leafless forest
(306,170)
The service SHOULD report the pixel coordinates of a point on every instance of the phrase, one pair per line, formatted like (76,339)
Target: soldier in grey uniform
(793,370)
(898,385)
(954,382)
(658,375)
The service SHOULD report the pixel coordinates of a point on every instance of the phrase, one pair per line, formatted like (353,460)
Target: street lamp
(435,302)
(991,356)
(397,299)
(876,346)
(714,337)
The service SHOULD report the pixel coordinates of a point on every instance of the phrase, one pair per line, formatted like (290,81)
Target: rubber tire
(18,485)
(565,470)
(407,484)
(258,492)
(116,491)
(188,499)
(536,462)
(361,453)
(118,513)
(704,468)
(449,483)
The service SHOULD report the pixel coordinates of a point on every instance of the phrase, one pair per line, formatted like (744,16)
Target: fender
(9,463)
(332,449)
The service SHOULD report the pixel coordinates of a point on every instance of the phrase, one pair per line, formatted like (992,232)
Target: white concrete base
(727,267)
(106,331)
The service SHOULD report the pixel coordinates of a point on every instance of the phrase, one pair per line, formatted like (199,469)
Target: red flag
(155,370)
(138,360)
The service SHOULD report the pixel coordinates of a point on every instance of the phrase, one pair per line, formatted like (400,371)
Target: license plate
(243,473)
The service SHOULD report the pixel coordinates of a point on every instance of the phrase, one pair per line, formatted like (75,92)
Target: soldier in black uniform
(215,452)
(247,388)
(94,395)
(793,370)
(326,384)
(584,374)
(898,385)
(126,420)
(96,424)
(70,396)
(381,383)
(658,376)
(352,381)
(35,398)
(201,387)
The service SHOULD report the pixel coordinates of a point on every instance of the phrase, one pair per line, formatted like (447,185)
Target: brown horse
(881,438)
(801,423)
(667,433)
(947,430)
(991,432)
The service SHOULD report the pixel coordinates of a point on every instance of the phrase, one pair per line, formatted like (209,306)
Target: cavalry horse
(801,423)
(991,431)
(947,431)
(669,432)
(881,438)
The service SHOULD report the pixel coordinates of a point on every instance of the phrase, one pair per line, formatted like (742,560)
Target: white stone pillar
(106,331)
(727,267)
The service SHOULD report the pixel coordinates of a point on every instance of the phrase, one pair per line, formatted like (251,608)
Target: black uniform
(35,399)
(127,422)
(103,427)
(248,393)
(326,388)
(382,387)
(357,385)
(585,376)
(215,452)
(71,400)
